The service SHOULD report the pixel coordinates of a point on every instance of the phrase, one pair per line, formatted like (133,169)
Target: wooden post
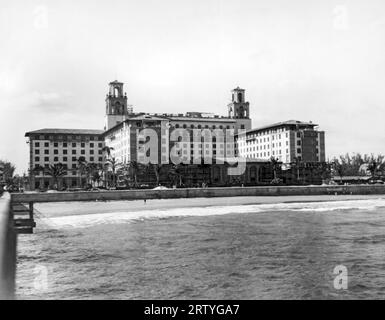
(31,210)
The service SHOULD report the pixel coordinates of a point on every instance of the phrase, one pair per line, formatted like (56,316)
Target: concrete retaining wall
(197,193)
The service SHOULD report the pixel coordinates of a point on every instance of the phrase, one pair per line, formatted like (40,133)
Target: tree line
(107,174)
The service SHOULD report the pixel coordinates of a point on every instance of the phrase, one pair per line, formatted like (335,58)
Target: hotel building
(288,141)
(124,132)
(124,129)
(51,146)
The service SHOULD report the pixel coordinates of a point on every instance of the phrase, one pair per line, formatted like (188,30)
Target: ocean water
(253,251)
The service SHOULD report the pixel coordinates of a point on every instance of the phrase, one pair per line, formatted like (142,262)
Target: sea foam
(86,220)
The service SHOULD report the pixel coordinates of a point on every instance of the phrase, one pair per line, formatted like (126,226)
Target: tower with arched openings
(116,105)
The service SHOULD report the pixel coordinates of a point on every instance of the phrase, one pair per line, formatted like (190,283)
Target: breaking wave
(86,220)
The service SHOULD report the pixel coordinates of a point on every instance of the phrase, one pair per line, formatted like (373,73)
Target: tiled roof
(284,123)
(204,119)
(65,131)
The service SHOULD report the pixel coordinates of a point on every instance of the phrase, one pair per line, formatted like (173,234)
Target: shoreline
(80,207)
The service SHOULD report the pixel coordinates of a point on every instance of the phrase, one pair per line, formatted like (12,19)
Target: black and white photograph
(179,150)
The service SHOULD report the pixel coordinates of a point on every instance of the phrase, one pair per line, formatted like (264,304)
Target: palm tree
(56,171)
(91,169)
(374,165)
(134,168)
(338,168)
(113,164)
(82,164)
(157,169)
(297,165)
(176,173)
(37,170)
(275,165)
(96,177)
(107,150)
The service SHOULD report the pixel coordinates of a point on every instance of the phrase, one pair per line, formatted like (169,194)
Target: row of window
(205,127)
(69,137)
(65,144)
(65,159)
(65,151)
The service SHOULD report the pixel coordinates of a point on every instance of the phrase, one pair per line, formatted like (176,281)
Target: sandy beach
(62,208)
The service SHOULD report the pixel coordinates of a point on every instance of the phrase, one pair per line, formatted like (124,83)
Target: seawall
(198,193)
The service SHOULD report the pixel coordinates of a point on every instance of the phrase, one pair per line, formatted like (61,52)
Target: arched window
(240,97)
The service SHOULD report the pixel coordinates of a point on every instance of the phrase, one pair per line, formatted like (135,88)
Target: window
(100,159)
(46,158)
(298,142)
(83,145)
(37,151)
(37,158)
(73,166)
(91,159)
(65,151)
(55,144)
(37,144)
(73,151)
(73,158)
(83,151)
(73,144)
(46,151)
(55,159)
(46,144)
(91,151)
(100,152)
(299,150)
(56,151)
(100,145)
(64,144)
(298,134)
(91,145)
(65,159)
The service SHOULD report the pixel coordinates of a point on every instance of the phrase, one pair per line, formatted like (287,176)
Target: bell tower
(239,109)
(116,105)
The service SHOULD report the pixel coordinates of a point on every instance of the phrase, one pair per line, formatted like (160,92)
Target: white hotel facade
(288,141)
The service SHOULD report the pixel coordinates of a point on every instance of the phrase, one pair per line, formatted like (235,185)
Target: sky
(322,61)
